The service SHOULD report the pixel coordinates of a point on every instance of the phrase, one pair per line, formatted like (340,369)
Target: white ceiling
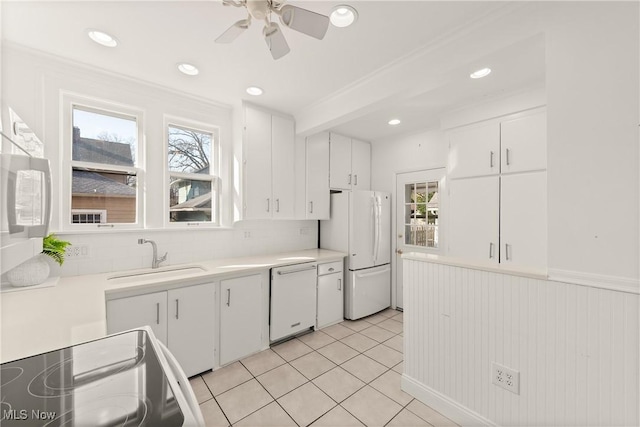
(155,35)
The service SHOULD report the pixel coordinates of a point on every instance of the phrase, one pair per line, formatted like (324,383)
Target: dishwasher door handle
(282,273)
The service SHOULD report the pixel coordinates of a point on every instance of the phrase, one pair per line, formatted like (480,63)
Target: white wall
(32,84)
(593,116)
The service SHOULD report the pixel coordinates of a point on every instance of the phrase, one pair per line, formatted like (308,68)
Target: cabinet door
(523,220)
(240,317)
(282,162)
(141,310)
(474,151)
(257,165)
(317,177)
(524,143)
(191,327)
(330,299)
(473,225)
(360,165)
(340,177)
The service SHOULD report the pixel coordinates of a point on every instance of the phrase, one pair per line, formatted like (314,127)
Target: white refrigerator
(360,225)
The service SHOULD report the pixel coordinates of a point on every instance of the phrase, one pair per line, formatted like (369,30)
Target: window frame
(213,177)
(71,101)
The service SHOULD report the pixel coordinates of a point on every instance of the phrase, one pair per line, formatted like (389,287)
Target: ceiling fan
(305,21)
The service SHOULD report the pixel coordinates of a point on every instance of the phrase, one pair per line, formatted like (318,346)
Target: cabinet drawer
(330,267)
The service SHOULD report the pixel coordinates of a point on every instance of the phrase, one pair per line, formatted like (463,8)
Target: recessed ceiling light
(480,73)
(188,69)
(343,16)
(254,90)
(102,38)
(394,122)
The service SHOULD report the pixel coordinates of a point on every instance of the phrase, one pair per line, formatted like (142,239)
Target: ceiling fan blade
(275,40)
(233,31)
(305,21)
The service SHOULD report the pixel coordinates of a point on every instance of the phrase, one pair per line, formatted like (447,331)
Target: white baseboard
(451,409)
(612,283)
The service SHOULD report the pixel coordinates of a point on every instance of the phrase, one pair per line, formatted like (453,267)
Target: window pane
(189,151)
(190,200)
(97,191)
(104,138)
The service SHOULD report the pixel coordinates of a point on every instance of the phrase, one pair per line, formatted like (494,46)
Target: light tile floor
(343,375)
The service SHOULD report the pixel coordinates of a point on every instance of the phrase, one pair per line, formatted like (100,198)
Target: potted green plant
(36,270)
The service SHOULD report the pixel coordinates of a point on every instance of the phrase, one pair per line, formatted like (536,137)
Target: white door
(282,171)
(257,165)
(360,165)
(317,177)
(340,162)
(191,327)
(240,317)
(474,150)
(418,201)
(132,312)
(524,143)
(473,221)
(330,299)
(523,220)
(362,229)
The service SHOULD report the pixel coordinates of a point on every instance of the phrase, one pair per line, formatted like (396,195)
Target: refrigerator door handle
(378,224)
(374,228)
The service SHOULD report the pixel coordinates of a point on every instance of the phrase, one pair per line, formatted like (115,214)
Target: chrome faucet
(156,261)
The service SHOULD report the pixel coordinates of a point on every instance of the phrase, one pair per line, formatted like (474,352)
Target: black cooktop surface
(114,381)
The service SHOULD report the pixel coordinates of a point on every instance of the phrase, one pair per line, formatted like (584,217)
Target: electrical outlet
(506,378)
(304,231)
(76,251)
(247,234)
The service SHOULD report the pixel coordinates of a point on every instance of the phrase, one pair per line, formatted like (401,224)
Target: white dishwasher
(293,300)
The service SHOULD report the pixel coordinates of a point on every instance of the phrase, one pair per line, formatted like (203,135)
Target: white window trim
(69,100)
(214,167)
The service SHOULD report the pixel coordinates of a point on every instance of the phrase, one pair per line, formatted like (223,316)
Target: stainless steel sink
(158,274)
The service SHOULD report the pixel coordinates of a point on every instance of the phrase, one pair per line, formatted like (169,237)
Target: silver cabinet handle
(355,179)
(507,249)
(157,313)
(277,205)
(268,204)
(311,207)
(229,297)
(282,273)
(490,250)
(507,155)
(177,309)
(491,159)
(349,179)
(339,284)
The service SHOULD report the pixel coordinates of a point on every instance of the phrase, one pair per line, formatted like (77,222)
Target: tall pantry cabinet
(498,191)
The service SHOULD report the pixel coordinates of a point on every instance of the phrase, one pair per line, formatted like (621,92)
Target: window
(105,175)
(192,159)
(421,209)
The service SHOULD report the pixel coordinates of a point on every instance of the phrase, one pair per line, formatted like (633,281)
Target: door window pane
(421,214)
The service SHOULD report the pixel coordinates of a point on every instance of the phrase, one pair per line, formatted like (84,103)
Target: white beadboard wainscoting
(576,347)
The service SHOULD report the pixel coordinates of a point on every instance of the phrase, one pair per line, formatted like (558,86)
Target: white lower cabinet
(182,318)
(330,294)
(240,317)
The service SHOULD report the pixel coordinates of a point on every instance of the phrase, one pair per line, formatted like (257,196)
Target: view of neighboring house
(190,200)
(98,196)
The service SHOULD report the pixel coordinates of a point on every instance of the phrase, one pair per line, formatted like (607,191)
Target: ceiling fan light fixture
(478,74)
(188,69)
(343,16)
(102,38)
(254,90)
(394,122)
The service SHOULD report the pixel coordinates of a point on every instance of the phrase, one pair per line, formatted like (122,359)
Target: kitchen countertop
(38,320)
(474,265)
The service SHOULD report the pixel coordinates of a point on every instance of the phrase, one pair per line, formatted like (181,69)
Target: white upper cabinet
(317,177)
(269,174)
(350,163)
(524,143)
(474,151)
(360,165)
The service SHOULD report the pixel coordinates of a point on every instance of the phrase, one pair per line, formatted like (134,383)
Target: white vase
(29,273)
